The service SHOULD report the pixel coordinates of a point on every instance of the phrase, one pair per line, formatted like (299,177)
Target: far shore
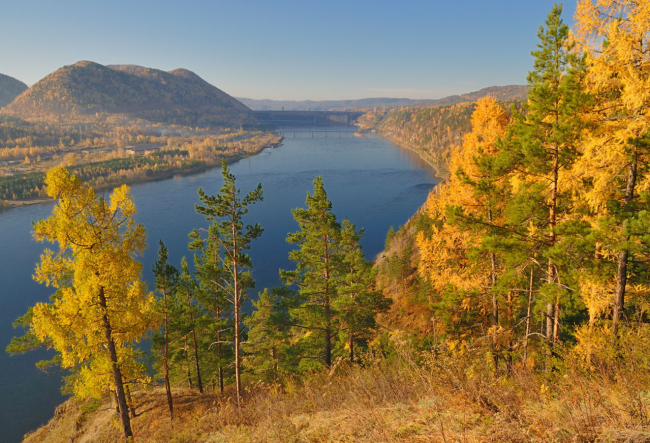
(10,204)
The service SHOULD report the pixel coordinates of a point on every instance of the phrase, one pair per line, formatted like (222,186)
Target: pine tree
(212,296)
(317,269)
(358,301)
(166,284)
(226,210)
(540,151)
(187,293)
(268,345)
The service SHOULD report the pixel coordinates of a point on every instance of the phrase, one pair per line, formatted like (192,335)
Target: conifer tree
(101,306)
(166,285)
(317,270)
(187,292)
(358,301)
(615,36)
(268,344)
(540,150)
(455,256)
(212,296)
(228,233)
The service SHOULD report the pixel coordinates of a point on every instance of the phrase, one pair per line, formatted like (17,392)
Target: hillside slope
(502,93)
(10,88)
(86,88)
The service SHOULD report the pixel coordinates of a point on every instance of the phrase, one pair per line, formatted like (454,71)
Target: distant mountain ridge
(175,97)
(502,93)
(10,88)
(322,105)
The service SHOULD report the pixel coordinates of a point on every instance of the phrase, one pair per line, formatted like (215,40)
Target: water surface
(367,179)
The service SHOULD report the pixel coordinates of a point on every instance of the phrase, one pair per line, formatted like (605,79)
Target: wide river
(368,179)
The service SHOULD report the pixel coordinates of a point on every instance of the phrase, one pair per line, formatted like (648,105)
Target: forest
(513,307)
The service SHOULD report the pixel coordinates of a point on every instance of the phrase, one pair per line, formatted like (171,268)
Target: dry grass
(450,397)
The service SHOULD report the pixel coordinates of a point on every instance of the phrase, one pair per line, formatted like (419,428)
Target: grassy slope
(445,395)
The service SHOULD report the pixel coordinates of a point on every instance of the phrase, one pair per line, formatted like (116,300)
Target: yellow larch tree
(615,35)
(446,259)
(101,306)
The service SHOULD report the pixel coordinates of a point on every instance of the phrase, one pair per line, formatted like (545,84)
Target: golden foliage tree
(615,35)
(446,258)
(101,307)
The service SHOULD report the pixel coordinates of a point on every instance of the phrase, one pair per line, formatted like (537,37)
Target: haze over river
(368,179)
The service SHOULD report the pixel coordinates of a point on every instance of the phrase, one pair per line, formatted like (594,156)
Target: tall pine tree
(226,211)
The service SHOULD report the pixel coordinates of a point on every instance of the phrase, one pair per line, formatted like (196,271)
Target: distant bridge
(308,118)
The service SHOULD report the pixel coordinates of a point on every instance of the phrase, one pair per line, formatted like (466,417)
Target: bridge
(308,118)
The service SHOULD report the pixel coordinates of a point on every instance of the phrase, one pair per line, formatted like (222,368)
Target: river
(368,179)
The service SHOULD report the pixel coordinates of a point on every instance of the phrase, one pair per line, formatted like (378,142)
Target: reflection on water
(368,180)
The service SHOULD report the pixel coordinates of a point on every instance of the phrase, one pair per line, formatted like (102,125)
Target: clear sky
(286,49)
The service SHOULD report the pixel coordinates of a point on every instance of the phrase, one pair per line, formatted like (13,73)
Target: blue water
(369,180)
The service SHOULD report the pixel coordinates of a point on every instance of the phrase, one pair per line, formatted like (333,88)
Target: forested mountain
(511,92)
(431,131)
(86,89)
(10,88)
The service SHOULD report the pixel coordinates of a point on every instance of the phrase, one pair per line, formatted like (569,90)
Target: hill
(10,88)
(85,89)
(502,93)
(323,105)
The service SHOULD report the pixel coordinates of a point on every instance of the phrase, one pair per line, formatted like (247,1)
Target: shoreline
(166,175)
(438,170)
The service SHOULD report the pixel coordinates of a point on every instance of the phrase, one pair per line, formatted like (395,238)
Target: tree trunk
(129,400)
(528,314)
(623,256)
(237,348)
(168,389)
(237,300)
(195,346)
(199,382)
(328,311)
(117,373)
(495,303)
(190,383)
(351,347)
(552,312)
(219,354)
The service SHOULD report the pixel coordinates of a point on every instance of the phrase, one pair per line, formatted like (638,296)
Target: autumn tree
(453,257)
(616,38)
(228,233)
(101,306)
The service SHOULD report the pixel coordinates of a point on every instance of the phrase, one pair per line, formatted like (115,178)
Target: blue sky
(286,50)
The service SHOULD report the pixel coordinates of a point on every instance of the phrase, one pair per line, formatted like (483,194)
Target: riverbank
(173,168)
(440,170)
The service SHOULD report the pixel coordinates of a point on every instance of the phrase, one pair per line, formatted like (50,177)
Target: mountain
(86,88)
(324,105)
(10,88)
(501,93)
